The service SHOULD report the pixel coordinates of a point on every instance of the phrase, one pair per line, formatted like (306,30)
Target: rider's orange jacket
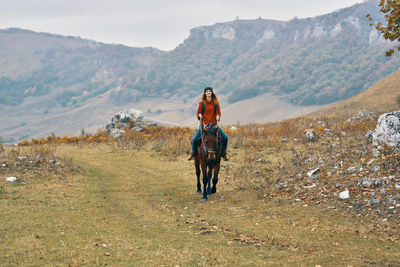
(209,115)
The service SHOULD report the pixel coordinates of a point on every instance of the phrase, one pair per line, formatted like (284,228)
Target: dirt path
(135,208)
(153,205)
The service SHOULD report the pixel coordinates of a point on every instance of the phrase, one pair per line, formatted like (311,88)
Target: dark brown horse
(208,157)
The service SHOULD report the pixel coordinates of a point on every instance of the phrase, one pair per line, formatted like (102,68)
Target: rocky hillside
(309,61)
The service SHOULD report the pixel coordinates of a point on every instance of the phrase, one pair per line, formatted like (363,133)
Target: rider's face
(208,93)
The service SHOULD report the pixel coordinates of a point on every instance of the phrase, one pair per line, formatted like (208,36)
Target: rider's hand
(200,116)
(218,118)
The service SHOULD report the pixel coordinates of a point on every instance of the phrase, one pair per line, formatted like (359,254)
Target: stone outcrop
(132,120)
(387,131)
(362,115)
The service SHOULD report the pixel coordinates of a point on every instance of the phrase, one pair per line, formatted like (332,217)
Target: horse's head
(210,140)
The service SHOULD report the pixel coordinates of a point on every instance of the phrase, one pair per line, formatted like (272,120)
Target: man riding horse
(209,112)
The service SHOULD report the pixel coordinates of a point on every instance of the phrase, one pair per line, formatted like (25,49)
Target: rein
(207,149)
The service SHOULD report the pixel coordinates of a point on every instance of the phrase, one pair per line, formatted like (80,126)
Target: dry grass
(135,203)
(379,98)
(134,208)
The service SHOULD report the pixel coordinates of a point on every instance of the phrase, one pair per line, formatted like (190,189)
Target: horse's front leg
(197,165)
(209,175)
(215,179)
(205,180)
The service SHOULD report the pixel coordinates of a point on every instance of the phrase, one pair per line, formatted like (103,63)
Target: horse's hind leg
(215,179)
(197,165)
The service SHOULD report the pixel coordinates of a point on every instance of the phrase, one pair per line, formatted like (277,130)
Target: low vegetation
(1,144)
(132,201)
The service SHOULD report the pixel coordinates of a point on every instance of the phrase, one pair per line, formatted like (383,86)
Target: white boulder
(344,195)
(311,134)
(11,179)
(387,130)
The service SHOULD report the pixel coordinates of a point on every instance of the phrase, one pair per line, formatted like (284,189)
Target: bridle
(205,148)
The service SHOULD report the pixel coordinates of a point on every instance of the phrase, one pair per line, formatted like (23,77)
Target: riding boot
(190,157)
(225,155)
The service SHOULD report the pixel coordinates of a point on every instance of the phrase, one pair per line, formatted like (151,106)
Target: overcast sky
(163,24)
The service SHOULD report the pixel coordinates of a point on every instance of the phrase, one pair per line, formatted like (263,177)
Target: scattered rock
(365,182)
(307,160)
(375,152)
(11,179)
(285,140)
(375,169)
(344,195)
(380,182)
(397,186)
(311,134)
(313,172)
(387,130)
(328,132)
(338,165)
(351,169)
(310,186)
(362,115)
(373,201)
(343,133)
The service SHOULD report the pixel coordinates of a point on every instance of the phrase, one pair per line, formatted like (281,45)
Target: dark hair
(208,88)
(213,96)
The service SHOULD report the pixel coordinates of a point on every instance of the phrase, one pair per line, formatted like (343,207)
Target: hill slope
(381,97)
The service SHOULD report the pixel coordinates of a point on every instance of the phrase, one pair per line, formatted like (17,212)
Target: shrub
(45,151)
(1,144)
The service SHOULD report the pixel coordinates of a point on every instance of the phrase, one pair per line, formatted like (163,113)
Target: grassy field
(130,207)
